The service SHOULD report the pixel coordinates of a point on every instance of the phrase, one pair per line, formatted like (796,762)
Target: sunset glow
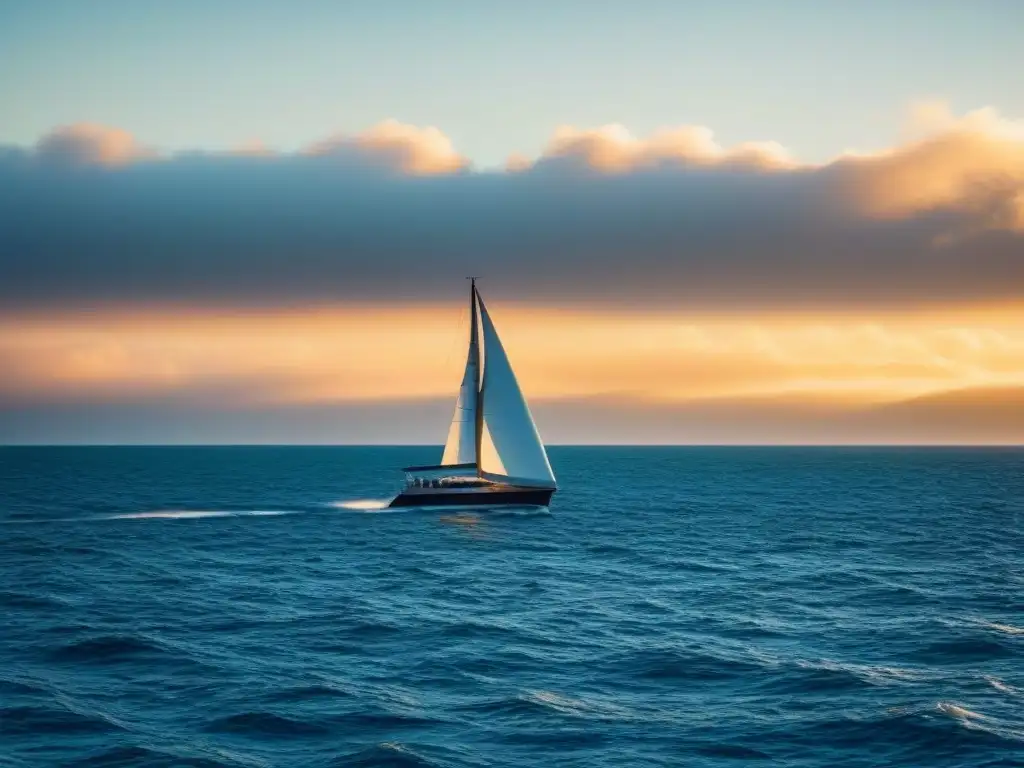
(345,355)
(793,258)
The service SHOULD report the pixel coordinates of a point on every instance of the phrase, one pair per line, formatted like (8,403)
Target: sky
(731,222)
(499,77)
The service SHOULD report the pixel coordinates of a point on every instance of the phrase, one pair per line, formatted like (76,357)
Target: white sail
(510,448)
(461,446)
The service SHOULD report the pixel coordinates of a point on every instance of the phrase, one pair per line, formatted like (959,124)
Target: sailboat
(494,455)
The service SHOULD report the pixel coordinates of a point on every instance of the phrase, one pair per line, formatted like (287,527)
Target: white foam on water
(362,505)
(977,621)
(955,710)
(1007,629)
(979,722)
(869,672)
(999,685)
(169,514)
(192,514)
(578,707)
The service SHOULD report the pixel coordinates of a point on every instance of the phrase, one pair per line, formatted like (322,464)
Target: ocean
(253,607)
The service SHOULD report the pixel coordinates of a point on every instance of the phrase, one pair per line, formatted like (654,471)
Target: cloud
(90,217)
(613,149)
(412,150)
(389,145)
(90,144)
(972,164)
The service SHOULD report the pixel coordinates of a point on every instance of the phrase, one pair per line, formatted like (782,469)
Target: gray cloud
(88,218)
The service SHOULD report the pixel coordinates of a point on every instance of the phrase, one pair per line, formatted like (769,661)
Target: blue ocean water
(250,607)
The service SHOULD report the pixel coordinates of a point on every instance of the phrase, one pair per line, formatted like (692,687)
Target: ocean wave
(695,566)
(815,679)
(470,629)
(307,692)
(838,674)
(1006,629)
(963,650)
(20,688)
(1002,686)
(369,629)
(548,702)
(362,720)
(386,755)
(588,707)
(732,752)
(913,735)
(512,706)
(556,740)
(749,628)
(114,649)
(265,724)
(32,601)
(611,549)
(40,719)
(9,761)
(133,756)
(983,723)
(955,710)
(677,664)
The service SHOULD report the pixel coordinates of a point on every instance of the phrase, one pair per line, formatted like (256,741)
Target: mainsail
(492,426)
(461,446)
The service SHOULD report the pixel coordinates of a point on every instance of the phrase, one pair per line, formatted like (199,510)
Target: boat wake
(161,514)
(191,514)
(361,505)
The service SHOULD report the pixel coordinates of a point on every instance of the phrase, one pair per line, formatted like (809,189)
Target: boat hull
(473,497)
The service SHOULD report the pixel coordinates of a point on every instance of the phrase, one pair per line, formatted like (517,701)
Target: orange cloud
(405,148)
(91,144)
(613,149)
(408,148)
(974,163)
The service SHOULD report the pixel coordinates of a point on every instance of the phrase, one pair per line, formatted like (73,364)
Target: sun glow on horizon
(346,354)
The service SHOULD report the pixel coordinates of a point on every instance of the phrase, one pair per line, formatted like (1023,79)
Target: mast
(474,344)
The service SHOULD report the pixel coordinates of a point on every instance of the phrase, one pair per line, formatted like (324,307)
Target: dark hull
(483,497)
